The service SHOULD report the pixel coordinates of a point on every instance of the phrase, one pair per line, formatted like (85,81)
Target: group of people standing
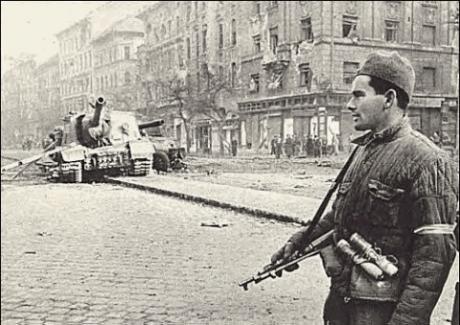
(311,146)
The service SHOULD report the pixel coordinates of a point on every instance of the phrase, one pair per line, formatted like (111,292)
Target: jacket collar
(395,131)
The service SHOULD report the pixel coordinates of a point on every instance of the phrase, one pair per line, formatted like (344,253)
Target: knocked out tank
(169,147)
(99,144)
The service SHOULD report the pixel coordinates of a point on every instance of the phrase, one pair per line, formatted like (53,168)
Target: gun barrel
(151,124)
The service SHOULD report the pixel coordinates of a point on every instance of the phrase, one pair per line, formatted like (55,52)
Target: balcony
(278,61)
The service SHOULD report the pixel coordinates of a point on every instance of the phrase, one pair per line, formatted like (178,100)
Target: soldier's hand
(284,254)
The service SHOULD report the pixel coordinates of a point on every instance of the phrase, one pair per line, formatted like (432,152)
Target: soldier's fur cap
(390,66)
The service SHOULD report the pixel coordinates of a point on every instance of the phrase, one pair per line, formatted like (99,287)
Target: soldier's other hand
(284,254)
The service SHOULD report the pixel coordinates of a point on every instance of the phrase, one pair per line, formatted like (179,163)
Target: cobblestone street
(102,254)
(99,254)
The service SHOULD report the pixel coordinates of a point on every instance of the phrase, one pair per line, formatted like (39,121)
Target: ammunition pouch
(362,286)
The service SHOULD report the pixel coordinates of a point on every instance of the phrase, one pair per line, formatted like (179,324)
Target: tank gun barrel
(100,102)
(150,124)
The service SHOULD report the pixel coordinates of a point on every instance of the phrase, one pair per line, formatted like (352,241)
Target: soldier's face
(366,106)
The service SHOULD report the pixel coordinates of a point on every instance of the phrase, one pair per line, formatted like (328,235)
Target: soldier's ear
(390,97)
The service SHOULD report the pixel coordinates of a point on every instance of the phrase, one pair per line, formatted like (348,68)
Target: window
(169,28)
(205,34)
(233,76)
(180,58)
(305,75)
(127,78)
(274,39)
(221,35)
(197,36)
(273,4)
(257,7)
(256,40)
(233,32)
(254,83)
(307,33)
(429,78)
(349,24)
(198,81)
(429,34)
(349,72)
(188,49)
(391,31)
(196,9)
(177,25)
(127,53)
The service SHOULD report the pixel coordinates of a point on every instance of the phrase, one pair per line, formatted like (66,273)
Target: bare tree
(208,98)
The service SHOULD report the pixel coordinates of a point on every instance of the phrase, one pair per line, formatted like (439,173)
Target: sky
(29,27)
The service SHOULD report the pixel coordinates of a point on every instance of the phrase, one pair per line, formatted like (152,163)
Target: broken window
(257,47)
(305,75)
(307,33)
(274,39)
(349,72)
(254,85)
(349,25)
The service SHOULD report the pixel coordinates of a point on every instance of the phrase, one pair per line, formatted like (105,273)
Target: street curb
(219,204)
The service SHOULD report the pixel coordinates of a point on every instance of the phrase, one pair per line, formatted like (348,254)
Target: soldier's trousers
(356,312)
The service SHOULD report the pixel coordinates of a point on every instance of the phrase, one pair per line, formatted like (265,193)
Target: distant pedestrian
(279,147)
(310,146)
(234,147)
(296,145)
(317,147)
(273,145)
(288,146)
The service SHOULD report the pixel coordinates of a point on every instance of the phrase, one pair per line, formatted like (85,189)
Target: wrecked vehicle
(91,146)
(163,144)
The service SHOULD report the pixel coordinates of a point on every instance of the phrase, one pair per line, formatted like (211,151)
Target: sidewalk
(278,206)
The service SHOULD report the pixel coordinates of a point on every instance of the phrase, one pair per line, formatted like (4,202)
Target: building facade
(115,72)
(75,63)
(91,53)
(50,110)
(194,41)
(20,116)
(302,55)
(291,63)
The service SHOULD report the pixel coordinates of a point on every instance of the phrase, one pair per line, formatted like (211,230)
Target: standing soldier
(399,193)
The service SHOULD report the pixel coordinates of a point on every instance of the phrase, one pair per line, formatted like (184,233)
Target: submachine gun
(270,270)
